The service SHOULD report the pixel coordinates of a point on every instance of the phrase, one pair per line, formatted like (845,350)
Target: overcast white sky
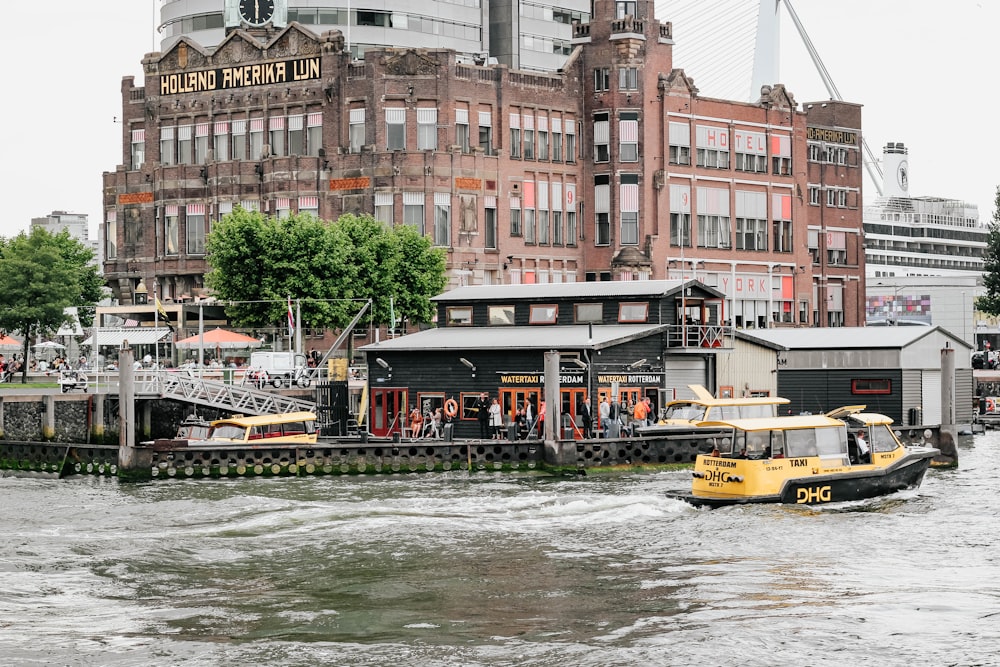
(924,73)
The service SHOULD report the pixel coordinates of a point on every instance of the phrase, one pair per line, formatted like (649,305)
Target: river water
(451,569)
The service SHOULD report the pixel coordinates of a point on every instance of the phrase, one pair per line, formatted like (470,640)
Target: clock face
(256,12)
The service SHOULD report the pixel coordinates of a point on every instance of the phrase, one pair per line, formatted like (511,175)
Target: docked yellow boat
(807,459)
(261,430)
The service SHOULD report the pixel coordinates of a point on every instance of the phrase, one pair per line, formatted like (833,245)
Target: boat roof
(785,423)
(518,337)
(257,420)
(599,289)
(703,397)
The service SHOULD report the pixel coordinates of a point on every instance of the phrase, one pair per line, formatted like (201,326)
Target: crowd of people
(612,419)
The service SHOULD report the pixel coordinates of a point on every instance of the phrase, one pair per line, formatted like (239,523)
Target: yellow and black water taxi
(805,459)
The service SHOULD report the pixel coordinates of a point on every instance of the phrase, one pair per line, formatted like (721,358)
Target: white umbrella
(49,345)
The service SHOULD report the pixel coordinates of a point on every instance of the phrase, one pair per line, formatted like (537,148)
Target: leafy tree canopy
(42,274)
(258,262)
(989,303)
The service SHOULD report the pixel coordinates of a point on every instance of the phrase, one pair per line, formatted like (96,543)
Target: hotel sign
(128,198)
(240,76)
(833,136)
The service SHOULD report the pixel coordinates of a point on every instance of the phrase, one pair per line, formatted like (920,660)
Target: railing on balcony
(699,336)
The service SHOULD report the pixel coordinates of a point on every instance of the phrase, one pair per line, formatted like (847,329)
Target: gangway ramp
(214,394)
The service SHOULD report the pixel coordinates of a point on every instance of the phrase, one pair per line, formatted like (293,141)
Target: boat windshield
(727,412)
(882,438)
(228,432)
(685,412)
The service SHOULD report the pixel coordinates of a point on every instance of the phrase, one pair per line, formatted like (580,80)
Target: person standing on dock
(482,409)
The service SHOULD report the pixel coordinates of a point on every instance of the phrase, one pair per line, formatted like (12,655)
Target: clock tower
(256,15)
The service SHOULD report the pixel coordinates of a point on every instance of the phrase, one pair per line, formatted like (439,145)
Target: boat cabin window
(882,439)
(800,442)
(228,431)
(727,412)
(685,411)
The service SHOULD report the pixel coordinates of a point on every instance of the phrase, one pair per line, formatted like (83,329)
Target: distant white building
(78,226)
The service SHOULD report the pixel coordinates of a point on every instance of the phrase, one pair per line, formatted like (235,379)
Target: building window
(602,210)
(633,312)
(413,210)
(500,316)
(111,235)
(138,148)
(571,141)
(356,130)
(515,216)
(256,138)
(557,228)
(602,79)
(602,137)
(543,142)
(625,8)
(195,229)
(221,143)
(529,225)
(427,129)
(171,231)
(680,215)
(239,140)
(276,136)
(628,137)
(462,130)
(309,205)
(486,132)
(490,221)
(814,196)
(543,314)
(557,143)
(831,197)
(442,219)
(459,316)
(751,152)
(751,234)
(815,153)
(515,135)
(383,207)
(314,133)
(395,129)
(543,226)
(167,146)
(628,196)
(781,155)
(628,78)
(871,386)
(713,147)
(296,135)
(185,145)
(529,137)
(781,214)
(588,313)
(680,143)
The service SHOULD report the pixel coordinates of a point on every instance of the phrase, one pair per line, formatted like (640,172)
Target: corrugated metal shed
(512,338)
(597,290)
(847,337)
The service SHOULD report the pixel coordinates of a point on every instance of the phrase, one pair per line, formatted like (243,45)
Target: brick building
(613,168)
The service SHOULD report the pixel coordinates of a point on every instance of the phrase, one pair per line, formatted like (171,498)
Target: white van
(280,368)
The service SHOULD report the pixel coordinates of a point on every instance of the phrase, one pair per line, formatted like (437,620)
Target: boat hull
(818,489)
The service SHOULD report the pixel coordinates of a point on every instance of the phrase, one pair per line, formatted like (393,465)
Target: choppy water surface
(450,569)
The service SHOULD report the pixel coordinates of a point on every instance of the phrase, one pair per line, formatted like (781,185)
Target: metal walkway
(189,389)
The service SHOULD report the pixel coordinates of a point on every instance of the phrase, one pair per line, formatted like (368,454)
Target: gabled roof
(615,289)
(844,337)
(517,338)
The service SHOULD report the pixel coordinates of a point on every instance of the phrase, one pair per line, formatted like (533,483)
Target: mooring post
(48,417)
(133,463)
(97,418)
(948,433)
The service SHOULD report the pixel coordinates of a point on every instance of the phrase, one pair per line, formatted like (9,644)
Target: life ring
(451,407)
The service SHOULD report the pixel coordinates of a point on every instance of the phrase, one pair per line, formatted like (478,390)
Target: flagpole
(298,326)
(156,322)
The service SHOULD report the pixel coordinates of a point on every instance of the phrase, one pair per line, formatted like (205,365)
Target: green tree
(331,267)
(40,276)
(989,303)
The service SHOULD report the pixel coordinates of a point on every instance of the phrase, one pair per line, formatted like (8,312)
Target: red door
(387,412)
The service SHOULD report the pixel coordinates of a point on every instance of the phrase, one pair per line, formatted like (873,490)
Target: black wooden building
(628,340)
